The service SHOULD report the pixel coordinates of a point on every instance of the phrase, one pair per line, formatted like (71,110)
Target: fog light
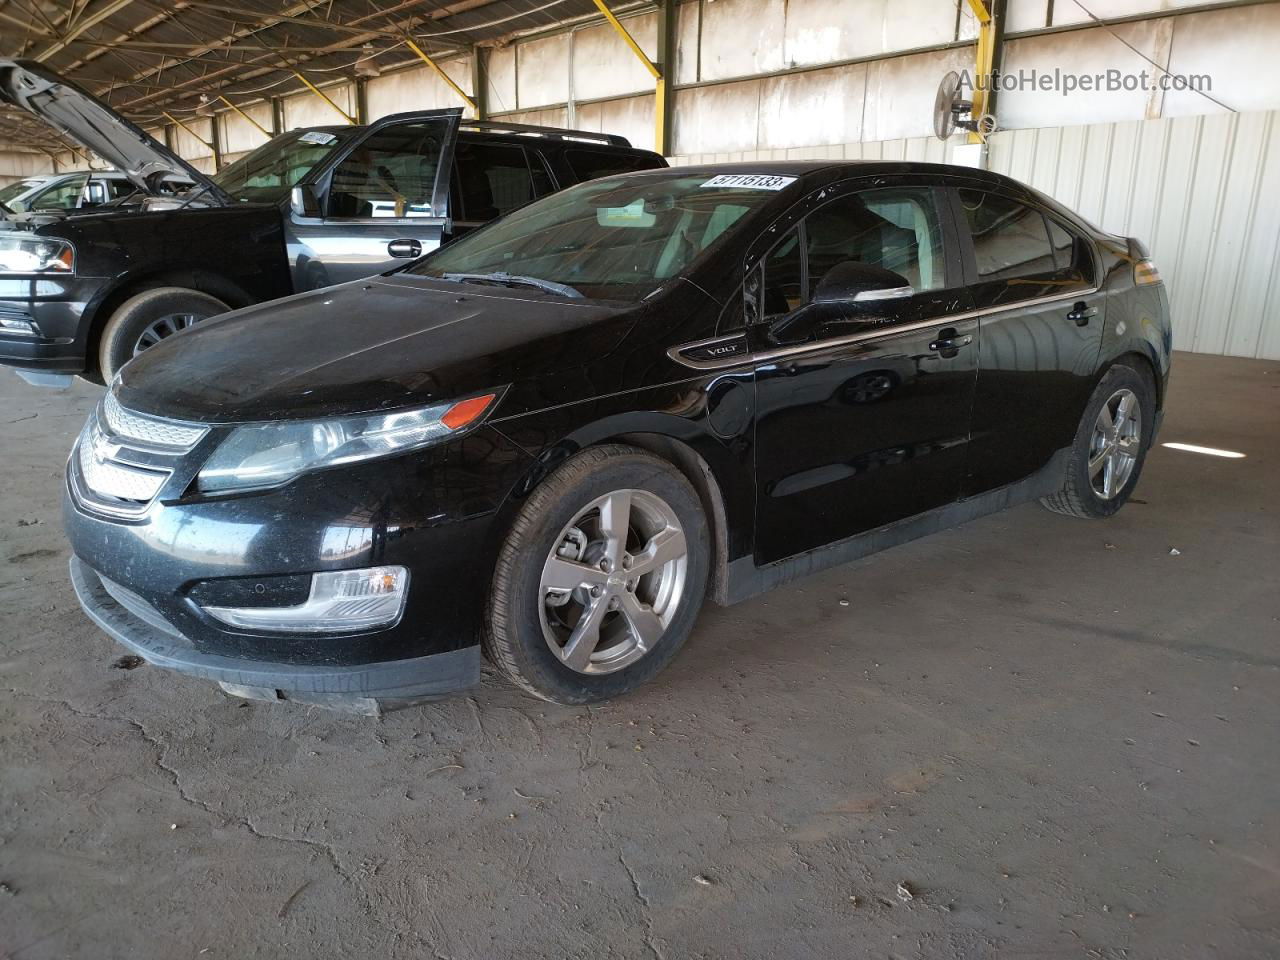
(341,601)
(16,325)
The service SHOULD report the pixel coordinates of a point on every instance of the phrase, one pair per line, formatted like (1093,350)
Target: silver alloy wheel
(1116,442)
(613,581)
(166,326)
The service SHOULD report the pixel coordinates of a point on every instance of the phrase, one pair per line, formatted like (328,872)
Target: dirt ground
(1032,736)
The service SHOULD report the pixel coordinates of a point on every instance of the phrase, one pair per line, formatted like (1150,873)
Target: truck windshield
(619,238)
(269,173)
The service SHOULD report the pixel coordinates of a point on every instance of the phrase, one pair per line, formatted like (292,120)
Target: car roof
(512,132)
(852,168)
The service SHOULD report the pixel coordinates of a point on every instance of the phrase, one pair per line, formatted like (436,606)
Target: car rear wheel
(144,320)
(600,579)
(1110,445)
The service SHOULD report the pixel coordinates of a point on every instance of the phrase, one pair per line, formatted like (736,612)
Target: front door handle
(405,249)
(949,342)
(1081,313)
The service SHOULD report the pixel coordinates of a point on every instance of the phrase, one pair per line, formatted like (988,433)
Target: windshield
(16,190)
(615,239)
(269,173)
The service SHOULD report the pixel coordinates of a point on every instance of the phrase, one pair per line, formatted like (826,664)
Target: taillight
(1145,273)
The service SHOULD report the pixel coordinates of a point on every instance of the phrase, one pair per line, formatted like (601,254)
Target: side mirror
(304,201)
(851,282)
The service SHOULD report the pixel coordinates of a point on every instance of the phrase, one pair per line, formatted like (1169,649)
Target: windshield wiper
(511,279)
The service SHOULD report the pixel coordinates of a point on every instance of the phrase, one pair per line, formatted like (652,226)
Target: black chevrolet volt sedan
(550,441)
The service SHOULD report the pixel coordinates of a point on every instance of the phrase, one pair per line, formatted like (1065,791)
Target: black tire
(1078,498)
(132,318)
(513,638)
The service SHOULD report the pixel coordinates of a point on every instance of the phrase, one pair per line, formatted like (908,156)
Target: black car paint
(580,374)
(235,253)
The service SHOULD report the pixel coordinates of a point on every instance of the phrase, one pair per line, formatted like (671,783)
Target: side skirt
(745,579)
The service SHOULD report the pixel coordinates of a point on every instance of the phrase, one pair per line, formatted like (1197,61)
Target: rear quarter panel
(1137,319)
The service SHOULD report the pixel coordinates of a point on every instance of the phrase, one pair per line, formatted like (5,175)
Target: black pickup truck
(309,208)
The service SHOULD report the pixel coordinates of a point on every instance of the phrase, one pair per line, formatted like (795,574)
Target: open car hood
(93,125)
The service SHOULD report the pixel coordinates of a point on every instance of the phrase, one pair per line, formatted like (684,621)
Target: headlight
(33,255)
(265,455)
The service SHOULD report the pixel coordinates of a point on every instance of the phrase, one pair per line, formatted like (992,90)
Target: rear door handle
(405,249)
(1081,313)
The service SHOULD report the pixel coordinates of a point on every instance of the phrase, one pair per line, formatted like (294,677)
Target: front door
(382,204)
(1034,280)
(863,421)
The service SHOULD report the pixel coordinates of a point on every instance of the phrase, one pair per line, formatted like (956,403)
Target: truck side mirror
(305,202)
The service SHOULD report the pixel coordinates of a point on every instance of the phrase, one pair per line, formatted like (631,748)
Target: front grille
(152,431)
(124,459)
(110,478)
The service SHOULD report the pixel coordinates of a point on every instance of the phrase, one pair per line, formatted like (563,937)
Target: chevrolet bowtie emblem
(103,448)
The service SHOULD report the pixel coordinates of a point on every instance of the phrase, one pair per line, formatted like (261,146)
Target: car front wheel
(145,319)
(600,579)
(1110,445)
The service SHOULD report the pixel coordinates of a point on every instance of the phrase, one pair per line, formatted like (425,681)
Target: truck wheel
(1110,446)
(600,579)
(145,319)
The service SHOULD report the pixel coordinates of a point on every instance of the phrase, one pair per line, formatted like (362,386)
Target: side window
(783,289)
(896,229)
(493,179)
(390,174)
(893,228)
(123,188)
(589,164)
(62,197)
(1010,240)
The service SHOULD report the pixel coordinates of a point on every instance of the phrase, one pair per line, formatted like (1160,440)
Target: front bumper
(133,623)
(434,512)
(57,307)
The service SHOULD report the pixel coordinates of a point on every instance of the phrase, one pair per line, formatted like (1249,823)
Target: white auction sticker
(750,181)
(317,137)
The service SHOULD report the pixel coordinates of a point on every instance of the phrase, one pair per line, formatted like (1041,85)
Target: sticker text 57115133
(750,181)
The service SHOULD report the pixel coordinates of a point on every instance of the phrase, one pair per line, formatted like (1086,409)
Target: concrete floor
(1058,736)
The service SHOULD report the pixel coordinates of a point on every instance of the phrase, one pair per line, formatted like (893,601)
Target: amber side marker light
(1145,273)
(1207,451)
(466,412)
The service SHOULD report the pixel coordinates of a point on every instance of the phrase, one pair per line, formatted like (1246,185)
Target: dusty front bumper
(129,620)
(48,326)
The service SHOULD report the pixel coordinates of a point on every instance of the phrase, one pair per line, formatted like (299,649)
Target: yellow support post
(630,40)
(264,130)
(983,62)
(320,93)
(443,76)
(661,87)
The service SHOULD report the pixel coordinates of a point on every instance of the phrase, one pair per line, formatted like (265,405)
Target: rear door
(382,203)
(1034,279)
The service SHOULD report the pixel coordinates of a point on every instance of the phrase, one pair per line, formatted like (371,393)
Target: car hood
(384,343)
(93,125)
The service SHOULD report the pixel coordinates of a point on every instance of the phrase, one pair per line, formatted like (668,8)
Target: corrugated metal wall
(1202,192)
